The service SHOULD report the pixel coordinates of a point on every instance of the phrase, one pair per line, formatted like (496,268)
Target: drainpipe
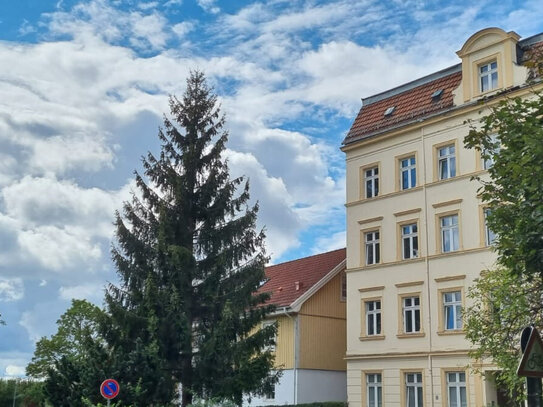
(427,264)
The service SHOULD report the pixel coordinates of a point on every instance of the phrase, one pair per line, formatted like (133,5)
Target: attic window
(437,94)
(390,110)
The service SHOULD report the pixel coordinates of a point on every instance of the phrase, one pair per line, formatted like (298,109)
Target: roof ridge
(306,257)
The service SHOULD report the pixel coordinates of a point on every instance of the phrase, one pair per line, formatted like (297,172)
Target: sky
(84,86)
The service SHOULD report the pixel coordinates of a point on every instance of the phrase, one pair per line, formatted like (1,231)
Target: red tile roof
(307,272)
(413,101)
(411,104)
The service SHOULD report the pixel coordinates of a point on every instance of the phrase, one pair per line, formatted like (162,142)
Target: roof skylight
(437,94)
(390,110)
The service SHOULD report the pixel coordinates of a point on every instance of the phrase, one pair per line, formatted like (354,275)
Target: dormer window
(488,76)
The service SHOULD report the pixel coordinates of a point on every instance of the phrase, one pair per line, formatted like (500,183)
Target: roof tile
(307,271)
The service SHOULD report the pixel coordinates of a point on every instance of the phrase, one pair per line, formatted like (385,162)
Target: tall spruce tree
(190,261)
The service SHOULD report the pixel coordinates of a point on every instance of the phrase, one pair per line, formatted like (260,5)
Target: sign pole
(534,390)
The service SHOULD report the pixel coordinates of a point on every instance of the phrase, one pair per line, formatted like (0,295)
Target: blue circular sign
(109,389)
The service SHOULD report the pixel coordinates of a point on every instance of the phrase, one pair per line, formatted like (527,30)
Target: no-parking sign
(109,389)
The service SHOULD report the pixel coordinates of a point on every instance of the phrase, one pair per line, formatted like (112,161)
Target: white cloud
(209,6)
(328,243)
(183,28)
(14,371)
(90,291)
(11,289)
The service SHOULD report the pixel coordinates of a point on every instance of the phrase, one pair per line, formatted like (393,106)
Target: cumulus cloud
(14,371)
(90,291)
(11,289)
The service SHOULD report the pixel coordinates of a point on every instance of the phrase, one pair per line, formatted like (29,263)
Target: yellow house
(310,345)
(416,234)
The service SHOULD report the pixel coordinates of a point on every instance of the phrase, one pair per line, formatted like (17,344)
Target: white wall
(313,385)
(321,385)
(284,392)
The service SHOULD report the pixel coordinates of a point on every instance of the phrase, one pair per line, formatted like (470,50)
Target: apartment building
(416,233)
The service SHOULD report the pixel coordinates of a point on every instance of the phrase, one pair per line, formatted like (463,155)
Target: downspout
(427,265)
(294,341)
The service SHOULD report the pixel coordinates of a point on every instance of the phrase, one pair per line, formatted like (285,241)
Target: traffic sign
(531,364)
(109,389)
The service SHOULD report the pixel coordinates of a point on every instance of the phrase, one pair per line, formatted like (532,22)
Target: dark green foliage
(508,298)
(190,261)
(28,393)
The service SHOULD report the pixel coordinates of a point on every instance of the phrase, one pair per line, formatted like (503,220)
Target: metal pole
(534,390)
(108,402)
(14,392)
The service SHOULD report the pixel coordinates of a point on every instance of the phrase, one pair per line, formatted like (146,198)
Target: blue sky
(84,85)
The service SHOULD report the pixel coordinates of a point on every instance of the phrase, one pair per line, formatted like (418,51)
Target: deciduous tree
(508,297)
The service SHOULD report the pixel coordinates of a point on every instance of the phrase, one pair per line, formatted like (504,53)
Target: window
(266,324)
(373,318)
(408,173)
(371,177)
(449,233)
(343,287)
(270,393)
(490,236)
(446,162)
(413,390)
(373,390)
(488,76)
(372,247)
(410,241)
(411,314)
(452,310)
(494,149)
(456,389)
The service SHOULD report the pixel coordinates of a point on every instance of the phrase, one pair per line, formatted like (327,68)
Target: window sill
(411,335)
(372,338)
(451,332)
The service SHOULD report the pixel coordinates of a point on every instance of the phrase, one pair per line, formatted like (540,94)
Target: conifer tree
(190,260)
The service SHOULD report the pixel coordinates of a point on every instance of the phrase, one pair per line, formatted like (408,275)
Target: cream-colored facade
(428,283)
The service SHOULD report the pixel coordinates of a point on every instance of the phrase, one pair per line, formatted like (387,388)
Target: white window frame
(490,236)
(374,381)
(372,246)
(488,80)
(412,239)
(451,231)
(371,182)
(374,320)
(410,313)
(490,162)
(343,287)
(266,324)
(456,385)
(453,307)
(416,386)
(411,170)
(270,395)
(446,155)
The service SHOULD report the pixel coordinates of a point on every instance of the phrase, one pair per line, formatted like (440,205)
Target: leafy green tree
(27,393)
(508,298)
(190,261)
(80,322)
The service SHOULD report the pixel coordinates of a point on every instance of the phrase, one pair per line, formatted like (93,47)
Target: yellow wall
(284,349)
(322,329)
